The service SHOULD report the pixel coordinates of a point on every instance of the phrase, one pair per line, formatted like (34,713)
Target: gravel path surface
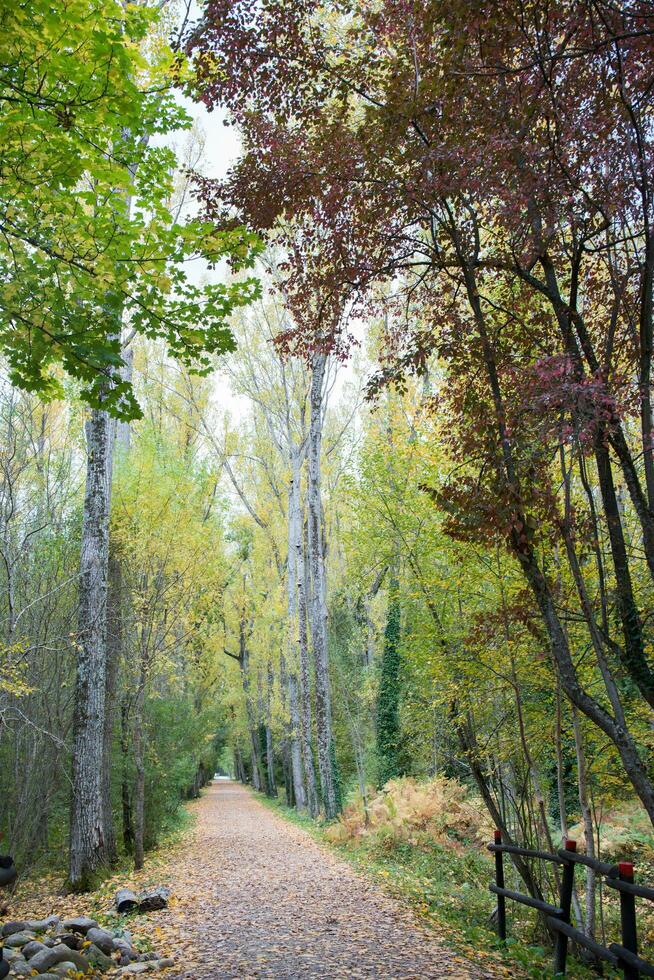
(261,899)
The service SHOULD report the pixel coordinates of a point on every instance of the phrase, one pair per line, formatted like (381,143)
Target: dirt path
(259,898)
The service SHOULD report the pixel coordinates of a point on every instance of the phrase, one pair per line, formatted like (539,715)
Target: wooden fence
(622,955)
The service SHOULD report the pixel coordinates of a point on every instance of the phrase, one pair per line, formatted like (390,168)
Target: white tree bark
(279,390)
(120,442)
(292,679)
(300,627)
(88,844)
(319,591)
(294,739)
(270,754)
(91,846)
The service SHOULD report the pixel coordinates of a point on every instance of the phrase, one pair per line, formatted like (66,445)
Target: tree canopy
(390,557)
(88,242)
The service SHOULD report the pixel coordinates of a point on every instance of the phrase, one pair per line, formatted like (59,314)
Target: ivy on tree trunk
(388,699)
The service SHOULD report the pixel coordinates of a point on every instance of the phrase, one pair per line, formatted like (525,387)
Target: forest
(327,445)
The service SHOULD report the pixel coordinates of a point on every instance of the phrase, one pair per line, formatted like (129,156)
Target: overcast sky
(222,149)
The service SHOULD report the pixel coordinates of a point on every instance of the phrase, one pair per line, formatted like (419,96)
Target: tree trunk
(126,799)
(120,439)
(633,658)
(297,612)
(271,785)
(524,552)
(290,747)
(88,837)
(569,320)
(139,780)
(621,738)
(589,829)
(295,740)
(306,723)
(238,765)
(114,648)
(294,735)
(326,760)
(270,754)
(255,744)
(287,765)
(388,698)
(257,779)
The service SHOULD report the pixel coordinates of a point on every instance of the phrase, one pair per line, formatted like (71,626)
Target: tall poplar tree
(89,245)
(468,159)
(388,698)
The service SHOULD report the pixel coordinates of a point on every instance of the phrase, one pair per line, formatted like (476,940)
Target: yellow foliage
(442,809)
(625,832)
(11,677)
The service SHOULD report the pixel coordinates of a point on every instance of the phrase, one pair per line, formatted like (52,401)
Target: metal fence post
(565,903)
(628,918)
(499,881)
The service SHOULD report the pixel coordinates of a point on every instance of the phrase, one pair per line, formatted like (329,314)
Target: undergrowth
(41,888)
(443,870)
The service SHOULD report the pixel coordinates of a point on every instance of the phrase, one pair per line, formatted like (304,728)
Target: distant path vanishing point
(259,898)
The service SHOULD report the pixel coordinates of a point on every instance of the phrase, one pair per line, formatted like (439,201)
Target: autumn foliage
(478,176)
(439,810)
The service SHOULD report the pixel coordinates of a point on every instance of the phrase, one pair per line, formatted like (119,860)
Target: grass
(51,863)
(448,889)
(41,893)
(445,882)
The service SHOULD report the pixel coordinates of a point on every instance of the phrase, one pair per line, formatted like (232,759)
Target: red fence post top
(571,845)
(626,870)
(498,836)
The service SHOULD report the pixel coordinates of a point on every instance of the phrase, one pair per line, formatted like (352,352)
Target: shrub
(405,811)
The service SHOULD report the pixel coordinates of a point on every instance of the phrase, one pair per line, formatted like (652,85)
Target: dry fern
(440,809)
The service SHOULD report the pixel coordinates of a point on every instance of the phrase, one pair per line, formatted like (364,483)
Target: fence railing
(622,955)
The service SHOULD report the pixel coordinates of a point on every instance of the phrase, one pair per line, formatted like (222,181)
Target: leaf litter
(255,896)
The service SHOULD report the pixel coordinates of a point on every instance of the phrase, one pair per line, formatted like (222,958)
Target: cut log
(154,900)
(126,901)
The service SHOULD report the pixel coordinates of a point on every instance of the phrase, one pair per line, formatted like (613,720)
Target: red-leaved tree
(493,162)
